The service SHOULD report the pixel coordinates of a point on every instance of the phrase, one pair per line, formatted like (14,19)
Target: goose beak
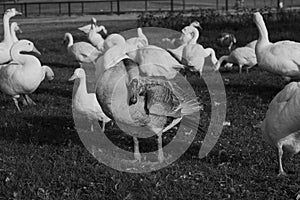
(20,30)
(73,77)
(18,13)
(36,51)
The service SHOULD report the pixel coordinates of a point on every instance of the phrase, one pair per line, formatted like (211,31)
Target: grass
(42,157)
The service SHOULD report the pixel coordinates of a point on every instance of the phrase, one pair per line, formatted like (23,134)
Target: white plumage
(281,126)
(83,52)
(7,42)
(86,103)
(282,58)
(94,37)
(242,56)
(24,74)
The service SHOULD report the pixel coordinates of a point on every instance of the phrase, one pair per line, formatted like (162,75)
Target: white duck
(7,42)
(87,28)
(24,74)
(160,100)
(282,58)
(281,126)
(83,52)
(86,103)
(95,38)
(242,56)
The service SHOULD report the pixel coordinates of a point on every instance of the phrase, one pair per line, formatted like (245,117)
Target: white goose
(184,38)
(112,40)
(24,74)
(86,103)
(83,52)
(242,56)
(7,42)
(141,40)
(281,126)
(190,52)
(87,28)
(95,38)
(160,100)
(282,58)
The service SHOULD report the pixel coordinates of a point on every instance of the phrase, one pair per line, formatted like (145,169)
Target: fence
(40,7)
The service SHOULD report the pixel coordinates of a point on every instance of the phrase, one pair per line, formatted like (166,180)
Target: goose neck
(6,28)
(82,89)
(262,32)
(195,35)
(70,39)
(222,59)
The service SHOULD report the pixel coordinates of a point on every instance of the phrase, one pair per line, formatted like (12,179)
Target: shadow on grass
(40,130)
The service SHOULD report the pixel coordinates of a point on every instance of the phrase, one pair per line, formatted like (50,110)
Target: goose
(83,52)
(281,127)
(94,37)
(112,40)
(86,103)
(86,29)
(24,74)
(226,40)
(190,52)
(184,39)
(241,56)
(141,40)
(159,100)
(282,58)
(7,42)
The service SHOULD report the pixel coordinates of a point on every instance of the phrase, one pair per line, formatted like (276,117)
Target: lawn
(42,156)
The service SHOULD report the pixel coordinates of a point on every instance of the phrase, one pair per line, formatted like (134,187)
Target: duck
(95,38)
(7,42)
(242,56)
(83,52)
(226,40)
(281,127)
(86,103)
(24,74)
(158,100)
(86,29)
(281,58)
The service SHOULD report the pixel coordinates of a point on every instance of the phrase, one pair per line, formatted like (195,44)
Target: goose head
(93,21)
(190,34)
(26,46)
(12,12)
(16,27)
(78,73)
(196,24)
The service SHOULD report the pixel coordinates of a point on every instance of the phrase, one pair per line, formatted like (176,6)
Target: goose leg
(240,68)
(24,101)
(16,103)
(137,154)
(103,126)
(160,149)
(280,153)
(29,100)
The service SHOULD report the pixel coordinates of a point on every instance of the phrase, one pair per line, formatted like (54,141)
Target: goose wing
(287,49)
